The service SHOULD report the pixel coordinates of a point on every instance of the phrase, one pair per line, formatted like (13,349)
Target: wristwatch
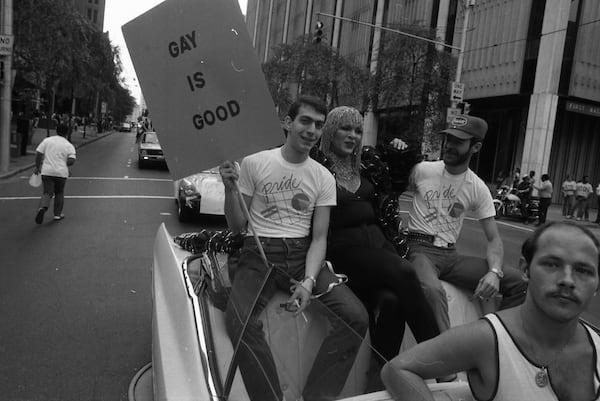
(497,272)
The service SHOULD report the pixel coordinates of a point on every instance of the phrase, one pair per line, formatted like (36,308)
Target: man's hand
(229,174)
(488,286)
(36,170)
(301,292)
(398,144)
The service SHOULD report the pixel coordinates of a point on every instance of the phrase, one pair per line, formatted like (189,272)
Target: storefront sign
(583,108)
(203,84)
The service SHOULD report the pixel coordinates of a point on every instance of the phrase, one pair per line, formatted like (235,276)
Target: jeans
(53,186)
(581,207)
(543,212)
(434,264)
(568,203)
(336,355)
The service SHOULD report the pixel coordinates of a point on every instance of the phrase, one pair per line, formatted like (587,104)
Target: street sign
(457,92)
(6,45)
(203,84)
(451,113)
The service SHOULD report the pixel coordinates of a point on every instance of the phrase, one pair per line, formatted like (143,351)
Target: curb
(18,170)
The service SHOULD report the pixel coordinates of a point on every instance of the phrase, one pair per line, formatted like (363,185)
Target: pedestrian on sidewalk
(583,190)
(545,194)
(524,194)
(568,193)
(53,157)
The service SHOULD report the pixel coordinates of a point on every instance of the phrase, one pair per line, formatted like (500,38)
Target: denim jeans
(348,319)
(53,187)
(568,203)
(434,264)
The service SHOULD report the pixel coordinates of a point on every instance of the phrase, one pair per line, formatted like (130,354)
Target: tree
(413,80)
(317,69)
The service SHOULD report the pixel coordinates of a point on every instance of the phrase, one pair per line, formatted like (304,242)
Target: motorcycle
(508,204)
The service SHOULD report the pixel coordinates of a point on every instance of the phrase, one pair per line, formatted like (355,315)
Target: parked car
(198,194)
(149,150)
(125,127)
(192,355)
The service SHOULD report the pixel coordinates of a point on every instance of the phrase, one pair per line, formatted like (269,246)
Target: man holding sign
(289,196)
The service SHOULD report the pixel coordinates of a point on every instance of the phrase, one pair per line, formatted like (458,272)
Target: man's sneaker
(56,218)
(579,219)
(39,217)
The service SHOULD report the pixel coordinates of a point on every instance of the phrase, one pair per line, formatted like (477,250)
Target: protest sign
(202,82)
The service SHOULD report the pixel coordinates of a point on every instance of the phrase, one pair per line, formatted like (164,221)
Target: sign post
(202,82)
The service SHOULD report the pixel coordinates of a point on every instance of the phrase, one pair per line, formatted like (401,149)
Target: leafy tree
(316,69)
(413,80)
(59,52)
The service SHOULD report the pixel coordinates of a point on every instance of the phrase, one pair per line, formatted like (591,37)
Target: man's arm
(463,348)
(315,257)
(236,219)
(39,158)
(490,282)
(70,161)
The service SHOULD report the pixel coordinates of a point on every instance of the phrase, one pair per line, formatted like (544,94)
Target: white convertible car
(199,194)
(192,354)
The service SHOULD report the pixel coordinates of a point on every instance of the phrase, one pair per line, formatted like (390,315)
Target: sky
(118,13)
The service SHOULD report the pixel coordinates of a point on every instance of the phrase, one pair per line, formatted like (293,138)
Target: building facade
(93,10)
(531,68)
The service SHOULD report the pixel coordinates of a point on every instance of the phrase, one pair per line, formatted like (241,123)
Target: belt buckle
(440,243)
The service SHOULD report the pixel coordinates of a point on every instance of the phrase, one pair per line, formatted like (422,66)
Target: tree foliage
(317,69)
(59,52)
(413,76)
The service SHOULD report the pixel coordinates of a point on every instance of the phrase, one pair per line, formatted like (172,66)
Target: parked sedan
(149,149)
(201,193)
(125,127)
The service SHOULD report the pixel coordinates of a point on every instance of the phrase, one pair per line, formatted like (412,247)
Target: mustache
(565,294)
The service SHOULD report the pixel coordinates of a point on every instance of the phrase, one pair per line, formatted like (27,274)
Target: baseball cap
(465,126)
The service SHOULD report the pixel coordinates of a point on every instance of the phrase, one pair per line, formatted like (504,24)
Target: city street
(76,296)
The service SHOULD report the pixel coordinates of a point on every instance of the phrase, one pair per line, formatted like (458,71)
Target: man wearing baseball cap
(444,191)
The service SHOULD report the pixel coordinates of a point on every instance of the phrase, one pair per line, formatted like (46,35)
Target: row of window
(95,1)
(92,14)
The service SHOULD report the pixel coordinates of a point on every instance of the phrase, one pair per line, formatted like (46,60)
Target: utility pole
(457,91)
(6,45)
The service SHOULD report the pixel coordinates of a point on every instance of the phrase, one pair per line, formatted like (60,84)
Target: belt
(429,239)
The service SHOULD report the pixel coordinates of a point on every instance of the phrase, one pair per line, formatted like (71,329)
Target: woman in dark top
(358,246)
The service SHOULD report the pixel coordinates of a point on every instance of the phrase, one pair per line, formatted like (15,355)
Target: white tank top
(516,381)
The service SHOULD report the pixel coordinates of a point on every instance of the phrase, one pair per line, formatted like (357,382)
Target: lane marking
(9,198)
(126,178)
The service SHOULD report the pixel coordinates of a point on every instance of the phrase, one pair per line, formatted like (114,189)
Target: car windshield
(150,137)
(292,354)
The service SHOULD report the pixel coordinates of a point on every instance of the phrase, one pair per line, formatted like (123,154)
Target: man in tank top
(539,350)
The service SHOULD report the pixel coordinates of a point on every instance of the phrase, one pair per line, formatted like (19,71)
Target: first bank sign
(6,45)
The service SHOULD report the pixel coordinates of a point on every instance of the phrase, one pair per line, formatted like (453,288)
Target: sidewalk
(19,164)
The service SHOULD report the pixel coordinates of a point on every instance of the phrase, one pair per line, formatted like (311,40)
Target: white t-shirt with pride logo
(284,194)
(441,200)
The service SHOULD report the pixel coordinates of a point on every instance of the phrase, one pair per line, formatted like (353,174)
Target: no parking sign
(202,81)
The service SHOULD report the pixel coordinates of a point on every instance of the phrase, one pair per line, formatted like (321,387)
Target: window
(89,12)
(95,16)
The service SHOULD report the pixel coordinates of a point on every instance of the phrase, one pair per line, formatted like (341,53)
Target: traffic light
(318,36)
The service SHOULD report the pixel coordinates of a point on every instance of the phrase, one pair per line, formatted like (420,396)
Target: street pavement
(19,163)
(23,163)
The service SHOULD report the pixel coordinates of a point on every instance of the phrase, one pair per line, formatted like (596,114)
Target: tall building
(531,68)
(93,10)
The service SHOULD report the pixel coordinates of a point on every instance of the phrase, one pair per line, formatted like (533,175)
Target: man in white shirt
(54,155)
(444,191)
(583,190)
(289,196)
(538,350)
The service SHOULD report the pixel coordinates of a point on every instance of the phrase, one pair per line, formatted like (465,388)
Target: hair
(529,247)
(307,100)
(339,116)
(545,177)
